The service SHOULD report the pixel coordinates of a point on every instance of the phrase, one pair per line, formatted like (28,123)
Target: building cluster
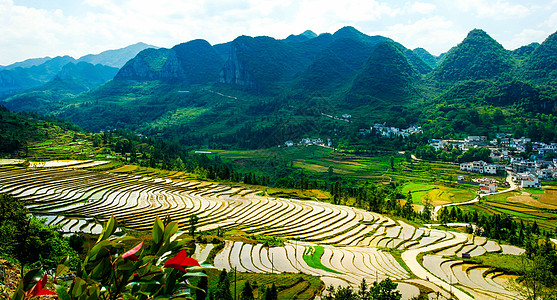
(527,180)
(387,131)
(527,172)
(309,141)
(480,167)
(464,145)
(501,147)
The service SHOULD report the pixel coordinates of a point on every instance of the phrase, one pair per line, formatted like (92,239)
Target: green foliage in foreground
(155,268)
(28,239)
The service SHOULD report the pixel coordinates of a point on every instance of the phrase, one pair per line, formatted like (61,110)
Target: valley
(312,162)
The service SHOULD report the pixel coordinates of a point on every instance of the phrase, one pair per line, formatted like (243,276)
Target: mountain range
(262,85)
(35,72)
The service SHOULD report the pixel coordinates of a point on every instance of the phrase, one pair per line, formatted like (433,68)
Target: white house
(479,166)
(490,169)
(527,180)
(486,188)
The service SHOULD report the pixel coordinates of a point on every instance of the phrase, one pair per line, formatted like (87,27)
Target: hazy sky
(38,28)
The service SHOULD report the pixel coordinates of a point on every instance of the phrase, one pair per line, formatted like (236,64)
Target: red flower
(38,289)
(180,261)
(131,254)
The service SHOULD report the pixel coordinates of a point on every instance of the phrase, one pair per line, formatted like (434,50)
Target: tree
(28,239)
(222,291)
(247,292)
(384,290)
(363,291)
(271,293)
(408,209)
(193,223)
(201,292)
(428,208)
(533,284)
(408,156)
(336,192)
(340,293)
(392,161)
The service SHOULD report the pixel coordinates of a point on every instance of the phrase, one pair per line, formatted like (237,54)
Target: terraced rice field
(353,241)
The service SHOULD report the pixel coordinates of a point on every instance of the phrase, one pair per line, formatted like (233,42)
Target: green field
(421,178)
(499,204)
(312,256)
(534,191)
(438,193)
(438,180)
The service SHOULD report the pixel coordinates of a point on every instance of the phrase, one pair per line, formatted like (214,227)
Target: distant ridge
(34,72)
(115,58)
(26,63)
(304,36)
(192,62)
(542,62)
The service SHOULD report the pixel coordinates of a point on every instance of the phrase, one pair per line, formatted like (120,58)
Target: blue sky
(38,28)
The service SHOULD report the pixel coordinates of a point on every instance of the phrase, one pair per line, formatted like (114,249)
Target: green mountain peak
(387,76)
(477,57)
(541,64)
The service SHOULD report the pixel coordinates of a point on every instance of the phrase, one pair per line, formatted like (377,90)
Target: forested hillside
(259,92)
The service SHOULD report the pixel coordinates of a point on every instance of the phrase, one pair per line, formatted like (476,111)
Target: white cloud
(422,7)
(499,10)
(435,34)
(551,22)
(524,37)
(99,25)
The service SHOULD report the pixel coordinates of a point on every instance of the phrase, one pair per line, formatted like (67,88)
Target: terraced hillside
(340,244)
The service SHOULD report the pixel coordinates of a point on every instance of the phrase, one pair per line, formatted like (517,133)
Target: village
(526,161)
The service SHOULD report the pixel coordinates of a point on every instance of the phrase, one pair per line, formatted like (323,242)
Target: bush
(156,268)
(28,239)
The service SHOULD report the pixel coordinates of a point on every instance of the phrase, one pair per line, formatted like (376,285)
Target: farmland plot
(353,241)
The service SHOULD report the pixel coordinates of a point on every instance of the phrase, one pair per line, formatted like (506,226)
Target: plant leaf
(108,229)
(158,230)
(170,230)
(62,293)
(31,278)
(61,270)
(131,254)
(100,249)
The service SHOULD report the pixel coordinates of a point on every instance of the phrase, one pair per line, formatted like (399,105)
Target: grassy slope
(312,257)
(421,177)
